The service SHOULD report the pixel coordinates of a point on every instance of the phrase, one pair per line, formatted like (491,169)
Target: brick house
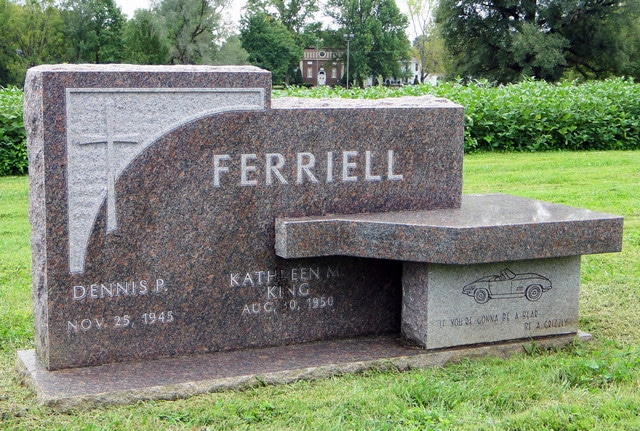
(325,67)
(322,67)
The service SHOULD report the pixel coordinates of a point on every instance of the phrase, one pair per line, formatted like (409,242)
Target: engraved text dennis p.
(118,288)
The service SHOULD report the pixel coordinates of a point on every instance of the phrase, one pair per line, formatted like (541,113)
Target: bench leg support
(454,305)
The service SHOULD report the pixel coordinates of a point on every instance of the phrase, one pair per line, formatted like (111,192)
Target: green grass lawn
(589,386)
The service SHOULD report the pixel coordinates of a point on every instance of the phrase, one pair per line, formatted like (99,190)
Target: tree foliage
(295,15)
(93,29)
(430,51)
(270,45)
(274,34)
(270,19)
(145,40)
(631,41)
(231,52)
(34,32)
(191,27)
(39,36)
(379,42)
(8,55)
(31,34)
(504,40)
(426,44)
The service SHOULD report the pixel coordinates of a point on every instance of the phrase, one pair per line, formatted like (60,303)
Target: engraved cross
(110,139)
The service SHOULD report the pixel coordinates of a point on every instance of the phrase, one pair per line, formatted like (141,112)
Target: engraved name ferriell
(270,168)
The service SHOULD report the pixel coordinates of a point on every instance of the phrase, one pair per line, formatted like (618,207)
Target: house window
(334,73)
(309,72)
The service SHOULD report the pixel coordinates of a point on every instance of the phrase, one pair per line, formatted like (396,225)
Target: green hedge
(13,148)
(531,115)
(534,115)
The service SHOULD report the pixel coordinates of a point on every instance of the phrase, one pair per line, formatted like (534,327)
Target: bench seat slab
(486,228)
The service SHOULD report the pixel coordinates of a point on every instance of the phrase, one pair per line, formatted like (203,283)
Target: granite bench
(498,268)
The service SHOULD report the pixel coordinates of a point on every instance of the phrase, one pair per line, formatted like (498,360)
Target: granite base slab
(182,377)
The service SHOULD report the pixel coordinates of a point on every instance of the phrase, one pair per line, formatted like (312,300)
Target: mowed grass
(584,386)
(15,264)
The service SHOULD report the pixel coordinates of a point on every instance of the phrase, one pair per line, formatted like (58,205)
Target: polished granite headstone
(154,193)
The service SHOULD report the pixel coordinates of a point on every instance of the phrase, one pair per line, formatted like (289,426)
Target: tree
(40,37)
(295,15)
(8,55)
(270,45)
(379,42)
(421,14)
(231,52)
(31,34)
(430,50)
(94,30)
(192,27)
(504,40)
(631,42)
(144,39)
(596,33)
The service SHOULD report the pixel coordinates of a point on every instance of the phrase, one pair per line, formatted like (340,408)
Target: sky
(129,6)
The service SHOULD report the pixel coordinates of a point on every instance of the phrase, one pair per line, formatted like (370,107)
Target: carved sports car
(508,284)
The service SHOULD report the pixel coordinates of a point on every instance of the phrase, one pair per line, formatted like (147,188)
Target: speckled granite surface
(178,256)
(456,305)
(486,228)
(154,197)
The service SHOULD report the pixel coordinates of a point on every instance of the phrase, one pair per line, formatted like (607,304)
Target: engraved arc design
(108,128)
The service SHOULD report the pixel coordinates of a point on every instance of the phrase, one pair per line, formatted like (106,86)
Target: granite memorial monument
(189,233)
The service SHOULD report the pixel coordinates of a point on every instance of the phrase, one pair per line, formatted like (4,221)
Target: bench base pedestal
(454,305)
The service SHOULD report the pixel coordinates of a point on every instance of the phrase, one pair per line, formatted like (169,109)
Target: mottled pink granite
(181,377)
(154,196)
(486,228)
(160,242)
